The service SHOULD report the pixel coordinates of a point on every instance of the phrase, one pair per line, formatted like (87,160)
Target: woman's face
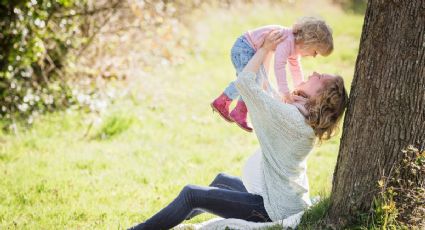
(314,84)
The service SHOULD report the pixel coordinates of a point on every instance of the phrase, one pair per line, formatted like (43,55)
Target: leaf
(381,183)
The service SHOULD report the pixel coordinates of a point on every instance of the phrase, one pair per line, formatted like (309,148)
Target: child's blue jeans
(241,53)
(226,197)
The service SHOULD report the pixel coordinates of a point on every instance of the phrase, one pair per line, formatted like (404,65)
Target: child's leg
(240,58)
(241,53)
(222,202)
(240,113)
(260,80)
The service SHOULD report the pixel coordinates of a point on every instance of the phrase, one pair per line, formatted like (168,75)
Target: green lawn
(159,137)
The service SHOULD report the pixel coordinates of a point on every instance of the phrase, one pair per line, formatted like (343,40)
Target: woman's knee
(218,178)
(189,190)
(191,194)
(221,175)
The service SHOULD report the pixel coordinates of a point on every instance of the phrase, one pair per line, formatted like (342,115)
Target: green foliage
(399,204)
(384,212)
(42,43)
(356,6)
(114,125)
(314,215)
(35,41)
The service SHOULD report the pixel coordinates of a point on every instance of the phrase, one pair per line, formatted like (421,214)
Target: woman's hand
(272,39)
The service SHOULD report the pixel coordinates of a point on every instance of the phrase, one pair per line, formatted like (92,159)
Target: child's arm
(296,70)
(275,39)
(266,64)
(280,60)
(267,60)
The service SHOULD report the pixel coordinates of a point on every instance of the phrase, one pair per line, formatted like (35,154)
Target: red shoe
(221,105)
(239,114)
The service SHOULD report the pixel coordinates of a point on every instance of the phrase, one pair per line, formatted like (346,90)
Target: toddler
(308,37)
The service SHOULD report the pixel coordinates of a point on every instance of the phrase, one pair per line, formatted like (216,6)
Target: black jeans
(226,197)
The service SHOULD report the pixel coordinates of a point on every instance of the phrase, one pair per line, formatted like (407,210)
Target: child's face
(308,52)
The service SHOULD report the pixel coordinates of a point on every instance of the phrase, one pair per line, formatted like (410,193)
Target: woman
(274,184)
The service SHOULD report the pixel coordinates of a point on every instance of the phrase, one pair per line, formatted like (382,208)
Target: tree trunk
(386,112)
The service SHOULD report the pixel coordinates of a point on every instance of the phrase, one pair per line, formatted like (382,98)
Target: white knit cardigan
(285,140)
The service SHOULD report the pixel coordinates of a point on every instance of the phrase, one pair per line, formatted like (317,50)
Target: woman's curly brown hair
(326,109)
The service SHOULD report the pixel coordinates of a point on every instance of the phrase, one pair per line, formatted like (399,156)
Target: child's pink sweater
(285,52)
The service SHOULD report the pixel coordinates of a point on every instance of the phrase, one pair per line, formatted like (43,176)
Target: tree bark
(386,111)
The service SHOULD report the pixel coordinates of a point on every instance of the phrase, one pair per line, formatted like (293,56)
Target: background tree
(386,112)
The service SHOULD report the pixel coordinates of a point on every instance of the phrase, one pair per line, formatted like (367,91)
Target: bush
(34,42)
(62,53)
(401,201)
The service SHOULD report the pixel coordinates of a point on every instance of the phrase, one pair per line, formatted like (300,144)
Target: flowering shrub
(61,53)
(35,39)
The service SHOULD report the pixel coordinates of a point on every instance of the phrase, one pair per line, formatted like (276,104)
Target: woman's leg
(222,202)
(223,181)
(229,182)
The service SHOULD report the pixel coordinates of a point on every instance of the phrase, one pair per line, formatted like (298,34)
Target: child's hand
(272,39)
(287,98)
(300,103)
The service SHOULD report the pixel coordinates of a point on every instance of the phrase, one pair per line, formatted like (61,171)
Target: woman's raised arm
(271,40)
(267,113)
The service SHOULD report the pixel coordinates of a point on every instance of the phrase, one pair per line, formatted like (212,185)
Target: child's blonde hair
(314,33)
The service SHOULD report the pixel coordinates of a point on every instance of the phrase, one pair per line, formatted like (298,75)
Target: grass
(314,215)
(60,174)
(114,125)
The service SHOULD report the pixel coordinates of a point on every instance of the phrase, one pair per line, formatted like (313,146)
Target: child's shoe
(239,114)
(221,105)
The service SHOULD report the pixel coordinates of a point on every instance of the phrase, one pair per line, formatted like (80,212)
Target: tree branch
(113,6)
